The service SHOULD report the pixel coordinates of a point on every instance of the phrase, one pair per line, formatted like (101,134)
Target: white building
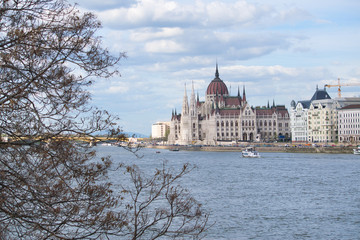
(160,129)
(349,123)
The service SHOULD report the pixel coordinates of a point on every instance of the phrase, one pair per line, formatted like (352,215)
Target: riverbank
(263,148)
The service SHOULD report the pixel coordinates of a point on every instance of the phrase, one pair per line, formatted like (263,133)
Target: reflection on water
(278,196)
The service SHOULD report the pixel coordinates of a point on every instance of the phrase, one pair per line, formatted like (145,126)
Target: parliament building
(223,119)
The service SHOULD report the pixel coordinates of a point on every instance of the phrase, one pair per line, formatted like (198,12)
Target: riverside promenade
(335,149)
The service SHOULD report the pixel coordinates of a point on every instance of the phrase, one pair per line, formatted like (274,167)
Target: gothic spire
(185,106)
(244,95)
(193,105)
(217,71)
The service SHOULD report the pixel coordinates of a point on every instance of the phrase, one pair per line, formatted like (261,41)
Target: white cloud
(149,34)
(163,46)
(165,13)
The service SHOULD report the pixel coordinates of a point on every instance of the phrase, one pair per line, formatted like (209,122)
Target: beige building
(160,129)
(322,121)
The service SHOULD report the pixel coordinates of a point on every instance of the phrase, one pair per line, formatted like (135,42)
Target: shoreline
(291,149)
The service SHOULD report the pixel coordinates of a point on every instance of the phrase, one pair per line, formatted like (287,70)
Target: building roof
(233,101)
(354,106)
(280,110)
(217,86)
(232,111)
(320,94)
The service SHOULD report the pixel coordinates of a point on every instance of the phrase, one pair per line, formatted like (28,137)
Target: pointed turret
(185,106)
(193,106)
(244,94)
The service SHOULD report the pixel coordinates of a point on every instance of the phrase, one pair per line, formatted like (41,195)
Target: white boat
(250,152)
(357,150)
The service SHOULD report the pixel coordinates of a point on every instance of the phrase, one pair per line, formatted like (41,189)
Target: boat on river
(250,152)
(357,150)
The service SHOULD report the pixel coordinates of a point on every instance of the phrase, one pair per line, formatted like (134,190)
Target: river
(277,196)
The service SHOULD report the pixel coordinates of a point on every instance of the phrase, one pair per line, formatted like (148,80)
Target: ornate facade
(222,118)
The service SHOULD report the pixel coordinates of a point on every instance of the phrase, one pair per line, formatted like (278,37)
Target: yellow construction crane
(341,85)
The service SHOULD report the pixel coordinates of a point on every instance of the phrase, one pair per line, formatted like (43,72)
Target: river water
(277,196)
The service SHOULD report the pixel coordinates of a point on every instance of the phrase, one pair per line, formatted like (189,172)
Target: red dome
(217,86)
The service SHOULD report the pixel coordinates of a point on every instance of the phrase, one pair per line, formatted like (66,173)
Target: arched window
(227,123)
(231,124)
(260,123)
(222,123)
(265,123)
(193,125)
(217,124)
(236,123)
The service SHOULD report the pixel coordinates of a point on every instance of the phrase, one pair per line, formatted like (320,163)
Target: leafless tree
(51,187)
(159,207)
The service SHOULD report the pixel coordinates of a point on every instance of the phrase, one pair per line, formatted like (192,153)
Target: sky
(279,50)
